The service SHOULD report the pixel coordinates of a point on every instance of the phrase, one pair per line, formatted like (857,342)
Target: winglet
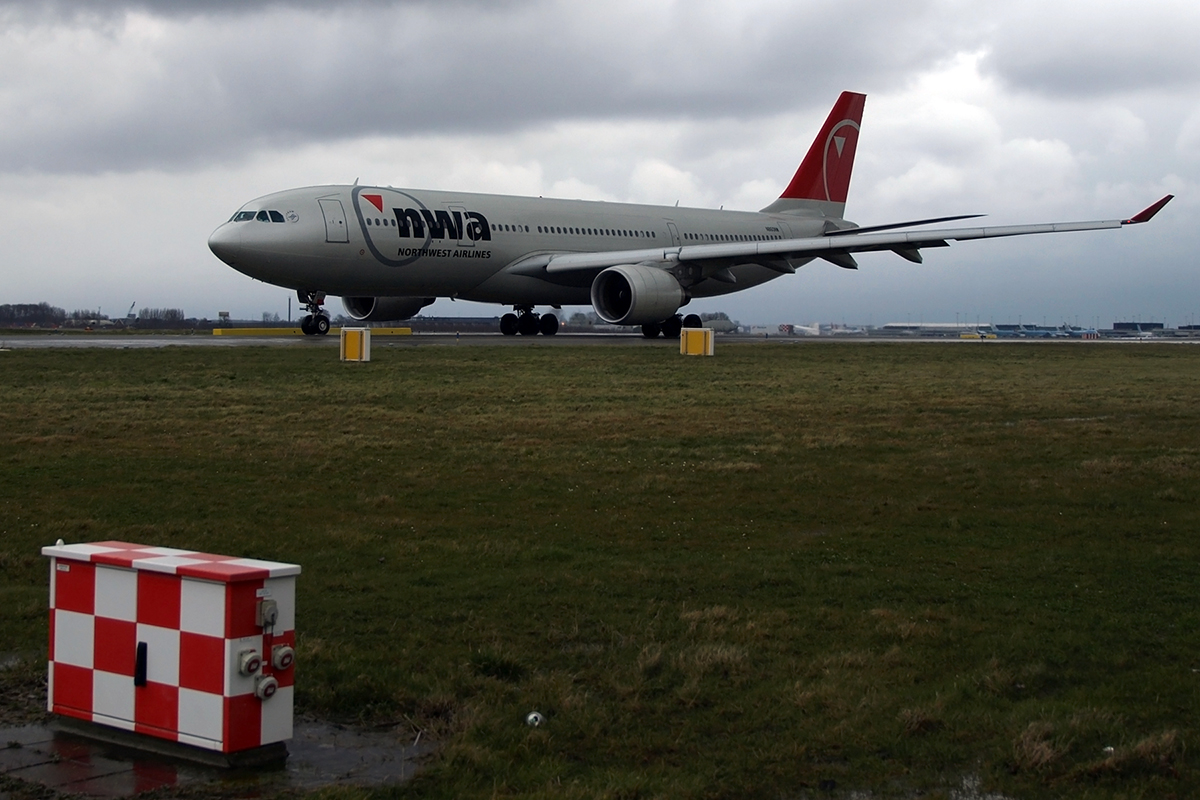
(1148,214)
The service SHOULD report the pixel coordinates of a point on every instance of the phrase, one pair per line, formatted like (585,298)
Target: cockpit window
(262,216)
(242,216)
(276,216)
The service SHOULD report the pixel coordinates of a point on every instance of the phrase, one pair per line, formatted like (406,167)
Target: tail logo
(840,146)
(824,174)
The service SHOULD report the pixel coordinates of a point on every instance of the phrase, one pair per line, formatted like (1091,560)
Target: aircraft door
(459,213)
(674,233)
(335,220)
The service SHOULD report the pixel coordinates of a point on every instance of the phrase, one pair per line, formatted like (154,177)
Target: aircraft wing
(835,246)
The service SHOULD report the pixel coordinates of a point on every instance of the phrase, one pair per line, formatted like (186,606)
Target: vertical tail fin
(822,182)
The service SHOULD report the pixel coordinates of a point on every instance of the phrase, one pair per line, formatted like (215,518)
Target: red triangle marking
(376,200)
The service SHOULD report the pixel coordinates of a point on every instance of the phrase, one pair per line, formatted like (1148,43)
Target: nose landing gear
(316,321)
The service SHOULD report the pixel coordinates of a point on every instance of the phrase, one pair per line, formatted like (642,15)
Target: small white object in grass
(533,719)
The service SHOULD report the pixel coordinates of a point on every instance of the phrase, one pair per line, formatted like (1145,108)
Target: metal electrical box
(696,342)
(356,344)
(190,647)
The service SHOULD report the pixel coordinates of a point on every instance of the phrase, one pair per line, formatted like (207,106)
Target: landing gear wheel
(527,324)
(508,324)
(693,321)
(548,324)
(671,327)
(651,330)
(311,323)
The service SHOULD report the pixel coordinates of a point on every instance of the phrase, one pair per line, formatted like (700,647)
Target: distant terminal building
(1138,327)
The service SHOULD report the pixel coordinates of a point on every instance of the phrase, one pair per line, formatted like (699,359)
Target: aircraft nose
(225,243)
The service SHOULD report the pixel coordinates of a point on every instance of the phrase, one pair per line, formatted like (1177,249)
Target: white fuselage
(374,241)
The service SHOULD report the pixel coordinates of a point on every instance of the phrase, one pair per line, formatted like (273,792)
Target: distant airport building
(1137,327)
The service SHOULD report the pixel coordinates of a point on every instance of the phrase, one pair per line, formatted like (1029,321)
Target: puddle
(320,754)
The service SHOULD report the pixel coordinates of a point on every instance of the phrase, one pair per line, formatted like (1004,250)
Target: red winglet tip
(1147,214)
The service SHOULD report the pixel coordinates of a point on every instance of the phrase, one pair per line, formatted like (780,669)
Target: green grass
(883,567)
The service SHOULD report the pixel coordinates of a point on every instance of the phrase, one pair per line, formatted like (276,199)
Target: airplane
(390,252)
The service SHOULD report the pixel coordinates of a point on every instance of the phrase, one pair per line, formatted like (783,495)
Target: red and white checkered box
(157,641)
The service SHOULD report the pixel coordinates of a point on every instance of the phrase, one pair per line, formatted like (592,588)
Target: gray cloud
(161,92)
(1075,49)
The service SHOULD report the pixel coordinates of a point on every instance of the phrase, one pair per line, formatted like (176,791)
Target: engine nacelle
(384,309)
(631,294)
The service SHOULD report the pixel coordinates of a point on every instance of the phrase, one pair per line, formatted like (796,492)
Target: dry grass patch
(920,721)
(1158,754)
(716,620)
(1037,749)
(650,660)
(703,659)
(1108,467)
(895,624)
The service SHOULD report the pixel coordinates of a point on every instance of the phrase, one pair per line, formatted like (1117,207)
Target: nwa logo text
(454,224)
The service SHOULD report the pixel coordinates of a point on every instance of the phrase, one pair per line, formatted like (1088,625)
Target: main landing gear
(316,321)
(527,323)
(671,326)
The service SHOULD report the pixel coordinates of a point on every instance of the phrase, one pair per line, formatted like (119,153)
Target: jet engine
(384,309)
(632,294)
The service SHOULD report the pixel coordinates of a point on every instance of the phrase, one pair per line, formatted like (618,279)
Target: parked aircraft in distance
(390,252)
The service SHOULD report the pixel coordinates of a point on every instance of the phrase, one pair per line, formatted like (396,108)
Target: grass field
(779,571)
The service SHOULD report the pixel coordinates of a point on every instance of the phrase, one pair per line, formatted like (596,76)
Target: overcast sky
(129,131)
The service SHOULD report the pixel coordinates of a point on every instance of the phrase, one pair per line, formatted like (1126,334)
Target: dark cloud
(66,9)
(174,91)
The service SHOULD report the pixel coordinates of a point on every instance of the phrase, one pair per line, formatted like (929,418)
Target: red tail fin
(824,175)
